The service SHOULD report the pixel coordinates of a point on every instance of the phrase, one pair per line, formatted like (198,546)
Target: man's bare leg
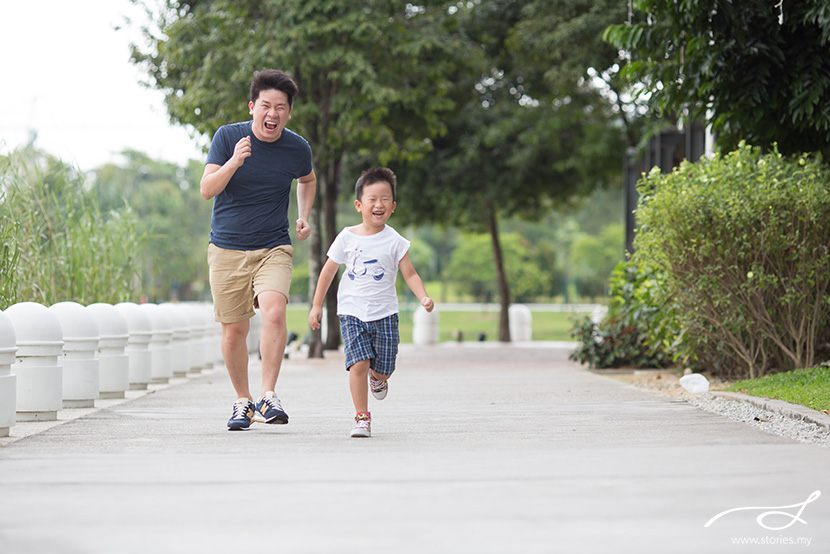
(235,353)
(272,307)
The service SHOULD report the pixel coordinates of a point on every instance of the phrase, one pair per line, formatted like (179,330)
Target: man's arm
(306,190)
(216,177)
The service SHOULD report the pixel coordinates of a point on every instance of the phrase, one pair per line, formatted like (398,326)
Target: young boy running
(367,303)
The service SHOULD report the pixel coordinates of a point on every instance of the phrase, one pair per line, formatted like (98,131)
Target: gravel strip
(768,421)
(786,420)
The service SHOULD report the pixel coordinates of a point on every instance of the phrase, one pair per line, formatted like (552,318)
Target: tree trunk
(501,275)
(315,264)
(330,207)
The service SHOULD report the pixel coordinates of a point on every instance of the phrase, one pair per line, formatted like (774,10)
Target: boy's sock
(364,425)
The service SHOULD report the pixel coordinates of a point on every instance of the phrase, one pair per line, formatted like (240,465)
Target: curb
(794,411)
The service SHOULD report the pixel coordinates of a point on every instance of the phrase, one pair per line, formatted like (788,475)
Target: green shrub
(742,243)
(634,333)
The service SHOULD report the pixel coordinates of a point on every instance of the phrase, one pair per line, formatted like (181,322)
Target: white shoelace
(272,402)
(240,409)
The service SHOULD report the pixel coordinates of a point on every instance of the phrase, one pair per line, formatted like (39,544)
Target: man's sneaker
(270,409)
(379,387)
(364,425)
(243,413)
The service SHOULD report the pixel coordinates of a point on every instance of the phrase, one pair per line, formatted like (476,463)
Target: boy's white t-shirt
(367,287)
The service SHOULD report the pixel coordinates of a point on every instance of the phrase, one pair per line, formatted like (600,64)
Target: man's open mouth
(270,125)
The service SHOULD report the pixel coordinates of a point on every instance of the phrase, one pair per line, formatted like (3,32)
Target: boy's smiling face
(376,205)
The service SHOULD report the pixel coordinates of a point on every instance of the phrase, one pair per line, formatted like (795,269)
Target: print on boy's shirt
(360,268)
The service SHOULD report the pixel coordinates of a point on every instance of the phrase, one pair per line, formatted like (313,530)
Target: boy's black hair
(274,79)
(372,176)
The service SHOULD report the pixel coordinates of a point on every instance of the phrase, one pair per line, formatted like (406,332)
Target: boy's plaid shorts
(371,340)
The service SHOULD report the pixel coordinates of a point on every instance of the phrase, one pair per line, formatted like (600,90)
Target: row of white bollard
(69,355)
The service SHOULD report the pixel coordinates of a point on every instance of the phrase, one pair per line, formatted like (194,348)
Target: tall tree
(560,42)
(371,73)
(760,68)
(524,141)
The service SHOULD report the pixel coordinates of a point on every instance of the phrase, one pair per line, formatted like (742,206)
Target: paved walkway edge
(22,429)
(794,411)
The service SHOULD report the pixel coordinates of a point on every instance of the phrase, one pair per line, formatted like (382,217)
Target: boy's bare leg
(272,307)
(359,385)
(235,354)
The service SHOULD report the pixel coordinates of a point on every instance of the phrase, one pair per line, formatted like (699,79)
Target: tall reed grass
(55,242)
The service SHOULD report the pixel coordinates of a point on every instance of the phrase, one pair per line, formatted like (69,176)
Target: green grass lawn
(807,387)
(547,326)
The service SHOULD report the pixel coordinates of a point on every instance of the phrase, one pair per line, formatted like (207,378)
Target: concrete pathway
(479,448)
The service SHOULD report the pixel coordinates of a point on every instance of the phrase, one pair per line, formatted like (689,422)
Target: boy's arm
(413,281)
(323,283)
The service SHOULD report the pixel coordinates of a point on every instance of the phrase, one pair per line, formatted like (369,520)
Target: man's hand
(303,229)
(427,303)
(241,151)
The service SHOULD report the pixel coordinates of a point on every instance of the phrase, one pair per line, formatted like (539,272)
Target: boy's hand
(427,303)
(314,317)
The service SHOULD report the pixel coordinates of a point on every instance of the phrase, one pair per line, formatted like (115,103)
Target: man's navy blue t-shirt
(252,212)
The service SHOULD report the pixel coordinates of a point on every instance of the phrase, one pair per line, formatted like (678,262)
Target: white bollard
(521,323)
(8,381)
(197,336)
(181,337)
(161,352)
(80,345)
(39,377)
(138,344)
(114,365)
(425,326)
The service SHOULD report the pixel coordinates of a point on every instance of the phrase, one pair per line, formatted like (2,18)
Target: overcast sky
(66,75)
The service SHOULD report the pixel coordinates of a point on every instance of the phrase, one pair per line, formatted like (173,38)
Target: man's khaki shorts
(238,276)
